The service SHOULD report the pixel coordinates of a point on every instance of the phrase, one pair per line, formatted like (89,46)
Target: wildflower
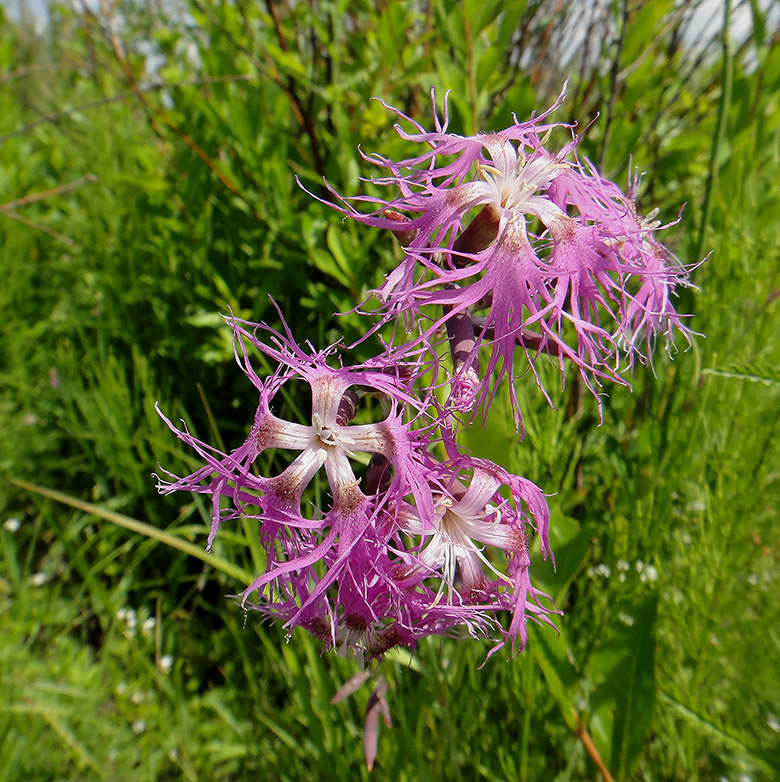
(626,619)
(556,261)
(470,524)
(341,549)
(369,572)
(39,579)
(12,524)
(647,573)
(127,615)
(512,246)
(165,664)
(602,570)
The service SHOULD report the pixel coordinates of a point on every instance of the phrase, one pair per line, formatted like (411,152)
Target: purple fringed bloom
(343,545)
(460,548)
(399,558)
(556,260)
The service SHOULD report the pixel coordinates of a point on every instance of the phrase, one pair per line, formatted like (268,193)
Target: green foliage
(147,165)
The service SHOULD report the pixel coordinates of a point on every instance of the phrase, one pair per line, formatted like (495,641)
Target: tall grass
(147,163)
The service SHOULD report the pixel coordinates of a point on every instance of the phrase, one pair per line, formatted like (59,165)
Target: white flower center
(329,438)
(514,179)
(459,535)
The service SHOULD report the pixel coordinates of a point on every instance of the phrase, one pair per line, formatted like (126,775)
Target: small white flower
(137,697)
(131,617)
(12,524)
(623,566)
(166,663)
(773,723)
(649,574)
(148,625)
(138,727)
(38,579)
(627,620)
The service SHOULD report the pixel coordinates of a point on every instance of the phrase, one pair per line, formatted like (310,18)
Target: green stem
(613,78)
(727,78)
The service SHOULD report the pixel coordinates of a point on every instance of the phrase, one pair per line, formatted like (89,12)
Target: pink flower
(459,549)
(556,262)
(334,550)
(511,246)
(401,552)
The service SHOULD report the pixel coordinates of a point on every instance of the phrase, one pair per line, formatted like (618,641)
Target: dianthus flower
(310,553)
(531,246)
(460,548)
(510,246)
(406,554)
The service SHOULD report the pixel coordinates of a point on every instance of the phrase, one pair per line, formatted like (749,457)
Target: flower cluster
(510,248)
(523,248)
(398,554)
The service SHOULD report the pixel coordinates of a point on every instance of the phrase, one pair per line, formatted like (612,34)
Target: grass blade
(139,527)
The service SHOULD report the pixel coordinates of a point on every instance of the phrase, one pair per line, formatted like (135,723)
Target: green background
(147,164)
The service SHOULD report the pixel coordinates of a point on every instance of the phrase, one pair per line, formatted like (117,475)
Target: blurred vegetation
(148,156)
